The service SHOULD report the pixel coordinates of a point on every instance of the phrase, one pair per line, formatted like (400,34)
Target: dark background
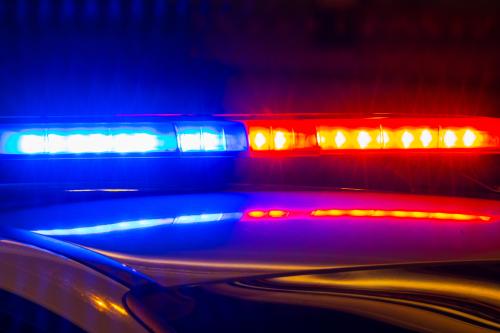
(81,57)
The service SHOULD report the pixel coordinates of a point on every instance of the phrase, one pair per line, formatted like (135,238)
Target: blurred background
(60,57)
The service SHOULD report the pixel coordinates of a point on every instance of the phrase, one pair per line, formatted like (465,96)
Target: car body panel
(69,289)
(381,258)
(451,297)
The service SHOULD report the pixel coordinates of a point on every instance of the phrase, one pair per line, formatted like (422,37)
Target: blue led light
(140,224)
(211,136)
(201,139)
(181,136)
(190,139)
(88,140)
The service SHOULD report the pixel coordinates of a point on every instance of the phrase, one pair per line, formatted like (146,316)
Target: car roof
(182,239)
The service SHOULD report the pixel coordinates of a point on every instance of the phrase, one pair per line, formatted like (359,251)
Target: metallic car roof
(182,239)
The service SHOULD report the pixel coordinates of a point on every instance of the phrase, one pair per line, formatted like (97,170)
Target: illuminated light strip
(93,140)
(180,136)
(141,224)
(258,214)
(411,134)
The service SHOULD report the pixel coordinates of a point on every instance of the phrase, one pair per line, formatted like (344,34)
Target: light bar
(182,136)
(261,137)
(382,134)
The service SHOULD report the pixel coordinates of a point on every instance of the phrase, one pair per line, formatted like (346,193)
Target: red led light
(375,134)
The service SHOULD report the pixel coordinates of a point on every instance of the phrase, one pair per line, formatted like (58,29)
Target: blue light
(181,136)
(88,140)
(31,144)
(201,139)
(140,224)
(213,140)
(190,139)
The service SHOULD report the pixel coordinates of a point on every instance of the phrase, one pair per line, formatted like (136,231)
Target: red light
(259,138)
(374,134)
(280,136)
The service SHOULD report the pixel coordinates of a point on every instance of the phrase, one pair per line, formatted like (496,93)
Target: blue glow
(190,139)
(88,140)
(140,224)
(201,139)
(183,136)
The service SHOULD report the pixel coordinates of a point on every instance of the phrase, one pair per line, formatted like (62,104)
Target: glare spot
(279,140)
(56,143)
(140,142)
(340,139)
(407,138)
(32,144)
(98,143)
(469,138)
(260,140)
(213,140)
(364,139)
(76,143)
(449,138)
(426,138)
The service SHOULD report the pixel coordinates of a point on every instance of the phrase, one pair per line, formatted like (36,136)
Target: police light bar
(176,137)
(374,134)
(262,137)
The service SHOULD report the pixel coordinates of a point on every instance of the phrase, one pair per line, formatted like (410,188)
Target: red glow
(375,213)
(278,213)
(375,134)
(400,214)
(256,213)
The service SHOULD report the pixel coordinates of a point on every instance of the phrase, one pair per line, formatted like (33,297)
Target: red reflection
(273,213)
(406,214)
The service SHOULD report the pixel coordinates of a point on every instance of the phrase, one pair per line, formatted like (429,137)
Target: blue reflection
(140,224)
